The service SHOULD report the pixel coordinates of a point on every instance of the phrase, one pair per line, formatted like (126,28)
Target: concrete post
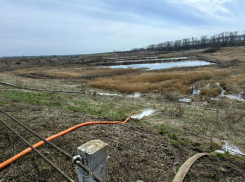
(95,157)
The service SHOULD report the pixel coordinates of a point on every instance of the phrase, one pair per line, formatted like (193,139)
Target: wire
(96,178)
(41,155)
(26,151)
(34,133)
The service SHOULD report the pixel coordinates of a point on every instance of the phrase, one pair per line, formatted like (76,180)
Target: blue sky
(59,27)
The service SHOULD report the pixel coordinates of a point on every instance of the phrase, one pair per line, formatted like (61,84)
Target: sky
(64,27)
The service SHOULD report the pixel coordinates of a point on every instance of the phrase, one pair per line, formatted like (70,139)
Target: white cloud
(74,27)
(213,8)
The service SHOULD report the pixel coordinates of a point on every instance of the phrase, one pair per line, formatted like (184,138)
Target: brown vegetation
(210,91)
(240,79)
(229,53)
(74,72)
(162,81)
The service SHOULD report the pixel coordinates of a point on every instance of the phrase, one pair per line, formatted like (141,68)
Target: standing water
(231,148)
(156,66)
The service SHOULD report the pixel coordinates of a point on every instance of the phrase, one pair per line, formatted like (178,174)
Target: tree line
(223,39)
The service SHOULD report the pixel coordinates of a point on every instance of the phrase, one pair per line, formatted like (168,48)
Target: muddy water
(156,66)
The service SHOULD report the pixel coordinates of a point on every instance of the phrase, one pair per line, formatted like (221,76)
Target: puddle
(196,90)
(156,66)
(174,58)
(131,61)
(235,97)
(228,146)
(231,96)
(151,57)
(135,95)
(71,85)
(185,100)
(107,94)
(146,112)
(231,148)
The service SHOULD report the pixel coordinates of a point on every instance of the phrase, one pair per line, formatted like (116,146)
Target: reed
(162,81)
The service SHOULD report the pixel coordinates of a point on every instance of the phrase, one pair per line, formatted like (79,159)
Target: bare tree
(220,40)
(204,41)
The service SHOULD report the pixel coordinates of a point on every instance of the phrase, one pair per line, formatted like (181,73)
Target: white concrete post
(95,157)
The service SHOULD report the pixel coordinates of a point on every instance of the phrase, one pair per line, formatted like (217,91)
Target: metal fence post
(95,157)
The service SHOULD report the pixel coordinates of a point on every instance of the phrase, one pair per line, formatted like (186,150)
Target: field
(150,149)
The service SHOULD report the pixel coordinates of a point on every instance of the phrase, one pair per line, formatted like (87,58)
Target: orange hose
(26,151)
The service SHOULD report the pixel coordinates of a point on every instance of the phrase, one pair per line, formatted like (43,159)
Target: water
(196,90)
(232,96)
(151,57)
(107,94)
(156,66)
(231,148)
(235,97)
(228,146)
(146,112)
(185,100)
(135,95)
(165,59)
(71,85)
(159,59)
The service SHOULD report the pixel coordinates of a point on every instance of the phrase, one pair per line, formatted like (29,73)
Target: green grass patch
(162,132)
(219,155)
(107,110)
(48,99)
(85,104)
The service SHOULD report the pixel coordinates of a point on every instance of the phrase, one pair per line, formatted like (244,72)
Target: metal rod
(96,178)
(41,155)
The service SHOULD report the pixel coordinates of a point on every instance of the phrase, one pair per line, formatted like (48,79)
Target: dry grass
(162,81)
(60,74)
(74,72)
(211,91)
(240,79)
(229,53)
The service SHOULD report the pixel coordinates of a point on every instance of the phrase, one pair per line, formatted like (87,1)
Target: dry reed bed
(162,81)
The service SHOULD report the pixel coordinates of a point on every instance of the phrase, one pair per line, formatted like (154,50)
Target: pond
(156,66)
(149,59)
